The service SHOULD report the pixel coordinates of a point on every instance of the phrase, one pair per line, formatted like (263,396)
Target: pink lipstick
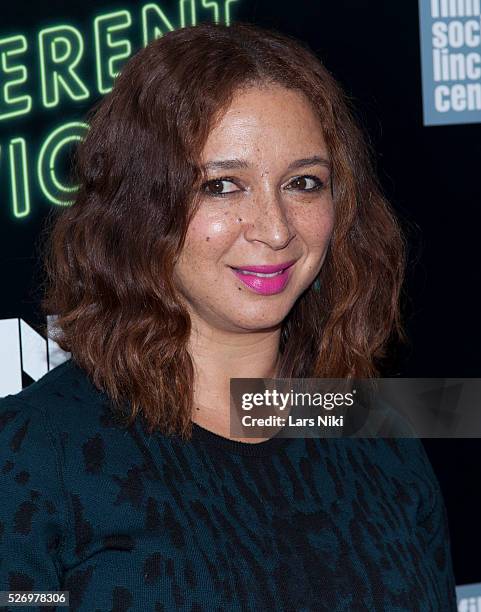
(265,279)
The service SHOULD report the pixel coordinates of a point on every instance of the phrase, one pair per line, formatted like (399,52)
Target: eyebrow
(234,164)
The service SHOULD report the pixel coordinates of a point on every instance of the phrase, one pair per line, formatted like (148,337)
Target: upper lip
(266,268)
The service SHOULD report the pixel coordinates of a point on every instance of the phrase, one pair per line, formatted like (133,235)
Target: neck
(219,356)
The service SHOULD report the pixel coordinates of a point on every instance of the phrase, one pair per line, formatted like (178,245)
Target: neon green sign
(63,58)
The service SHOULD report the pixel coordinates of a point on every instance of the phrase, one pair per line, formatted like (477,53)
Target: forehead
(270,120)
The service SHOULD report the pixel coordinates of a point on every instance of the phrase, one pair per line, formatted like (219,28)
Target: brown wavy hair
(109,256)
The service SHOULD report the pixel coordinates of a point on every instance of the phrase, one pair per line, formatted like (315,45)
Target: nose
(269,222)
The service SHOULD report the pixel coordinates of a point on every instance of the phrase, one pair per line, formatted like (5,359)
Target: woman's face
(266,200)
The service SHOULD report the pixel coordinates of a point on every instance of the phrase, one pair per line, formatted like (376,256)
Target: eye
(219,187)
(305,183)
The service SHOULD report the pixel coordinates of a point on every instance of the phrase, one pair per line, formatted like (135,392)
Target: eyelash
(320,185)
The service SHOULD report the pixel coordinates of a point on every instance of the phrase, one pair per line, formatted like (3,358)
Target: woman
(218,149)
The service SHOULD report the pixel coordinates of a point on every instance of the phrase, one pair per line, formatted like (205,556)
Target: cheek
(208,237)
(316,227)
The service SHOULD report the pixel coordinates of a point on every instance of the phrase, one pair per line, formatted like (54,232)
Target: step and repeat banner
(413,72)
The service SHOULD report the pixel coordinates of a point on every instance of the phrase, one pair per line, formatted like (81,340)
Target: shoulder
(397,469)
(27,437)
(407,458)
(64,398)
(66,378)
(398,458)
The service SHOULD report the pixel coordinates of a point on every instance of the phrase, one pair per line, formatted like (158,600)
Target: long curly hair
(109,256)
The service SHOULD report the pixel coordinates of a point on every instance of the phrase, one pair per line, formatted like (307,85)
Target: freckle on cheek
(208,238)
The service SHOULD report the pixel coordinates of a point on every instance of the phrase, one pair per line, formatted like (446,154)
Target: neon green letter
(19,177)
(58,69)
(214,6)
(227,4)
(155,23)
(52,188)
(11,106)
(107,67)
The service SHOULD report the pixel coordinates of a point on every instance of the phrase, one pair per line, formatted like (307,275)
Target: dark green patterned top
(129,522)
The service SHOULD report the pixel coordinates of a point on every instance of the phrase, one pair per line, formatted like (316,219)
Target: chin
(261,319)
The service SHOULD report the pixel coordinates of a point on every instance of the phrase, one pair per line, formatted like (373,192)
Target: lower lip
(265,285)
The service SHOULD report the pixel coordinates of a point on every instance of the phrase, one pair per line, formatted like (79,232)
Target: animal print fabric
(131,522)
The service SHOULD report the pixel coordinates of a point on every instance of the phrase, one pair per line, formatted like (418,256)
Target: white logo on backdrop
(23,349)
(469,604)
(451,61)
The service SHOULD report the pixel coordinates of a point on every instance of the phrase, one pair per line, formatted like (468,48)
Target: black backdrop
(430,174)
